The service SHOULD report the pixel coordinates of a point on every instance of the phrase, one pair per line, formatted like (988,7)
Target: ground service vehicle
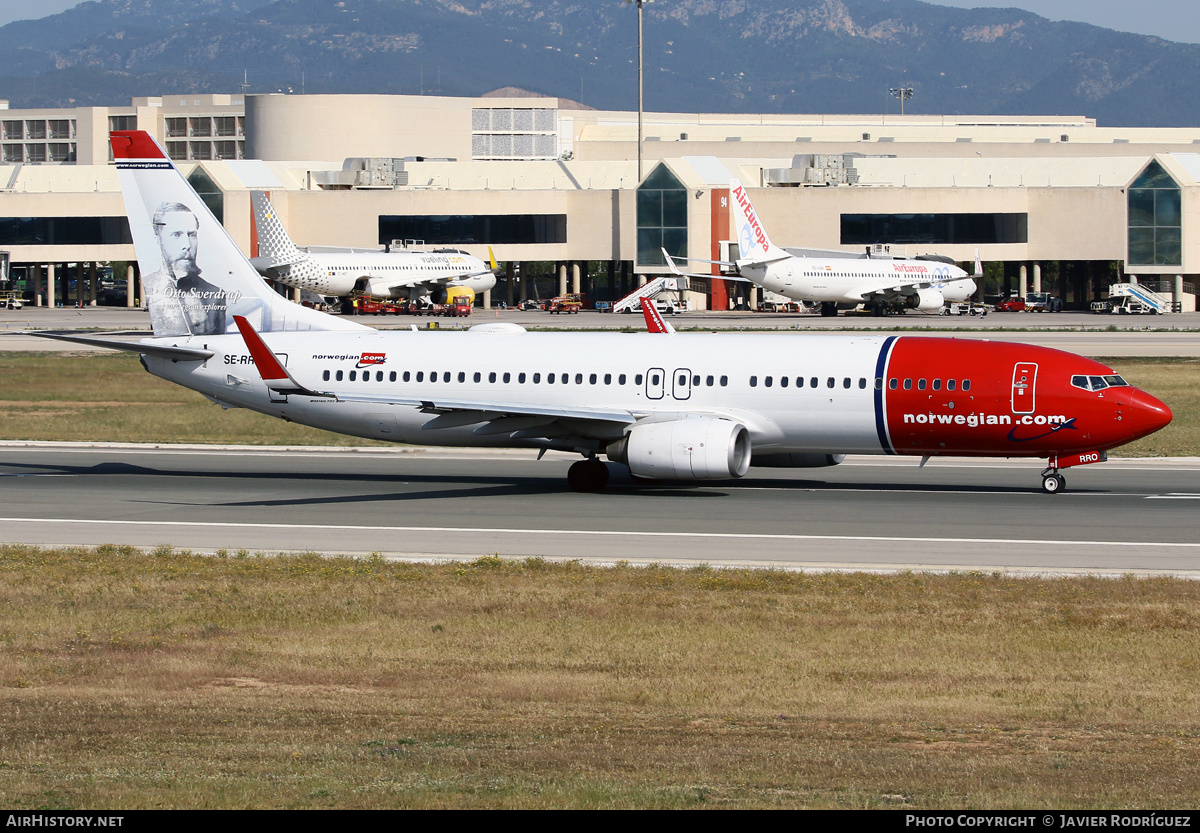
(569,304)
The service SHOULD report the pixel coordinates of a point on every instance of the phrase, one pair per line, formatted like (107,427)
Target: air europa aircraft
(420,277)
(670,406)
(923,283)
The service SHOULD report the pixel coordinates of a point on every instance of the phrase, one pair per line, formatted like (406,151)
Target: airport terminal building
(1049,203)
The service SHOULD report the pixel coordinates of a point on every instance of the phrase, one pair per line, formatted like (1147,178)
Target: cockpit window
(1098,382)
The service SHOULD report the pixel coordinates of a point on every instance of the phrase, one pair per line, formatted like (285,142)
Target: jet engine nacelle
(796,461)
(705,448)
(926,299)
(455,292)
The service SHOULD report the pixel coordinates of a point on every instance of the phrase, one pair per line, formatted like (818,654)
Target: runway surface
(869,513)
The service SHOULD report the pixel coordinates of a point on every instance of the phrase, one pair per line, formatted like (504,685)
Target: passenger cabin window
(353,375)
(724,381)
(325,376)
(753,381)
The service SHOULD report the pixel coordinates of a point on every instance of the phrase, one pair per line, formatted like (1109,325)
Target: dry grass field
(173,680)
(110,398)
(170,679)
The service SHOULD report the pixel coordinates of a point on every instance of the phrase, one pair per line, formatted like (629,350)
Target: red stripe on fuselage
(982,421)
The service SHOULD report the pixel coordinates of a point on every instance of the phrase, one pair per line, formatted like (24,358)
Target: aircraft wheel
(1053,483)
(587,476)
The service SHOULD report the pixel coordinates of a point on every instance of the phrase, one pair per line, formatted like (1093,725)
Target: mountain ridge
(771,56)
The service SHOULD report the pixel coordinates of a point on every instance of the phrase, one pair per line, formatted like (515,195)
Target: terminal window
(1155,219)
(488,229)
(977,229)
(662,210)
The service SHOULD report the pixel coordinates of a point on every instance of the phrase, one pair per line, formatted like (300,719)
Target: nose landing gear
(1053,482)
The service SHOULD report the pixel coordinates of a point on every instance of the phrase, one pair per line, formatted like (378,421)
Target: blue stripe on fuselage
(880,371)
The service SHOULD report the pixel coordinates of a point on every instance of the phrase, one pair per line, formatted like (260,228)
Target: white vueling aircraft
(836,282)
(688,407)
(420,277)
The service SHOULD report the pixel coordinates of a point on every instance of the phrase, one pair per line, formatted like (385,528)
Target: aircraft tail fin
(753,244)
(654,319)
(273,240)
(195,279)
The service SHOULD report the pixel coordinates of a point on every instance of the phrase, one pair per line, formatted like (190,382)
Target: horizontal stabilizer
(167,351)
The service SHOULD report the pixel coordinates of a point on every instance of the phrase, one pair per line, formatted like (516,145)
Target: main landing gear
(1053,482)
(588,475)
(828,309)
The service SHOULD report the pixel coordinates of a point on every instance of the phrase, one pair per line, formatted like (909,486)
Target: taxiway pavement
(869,513)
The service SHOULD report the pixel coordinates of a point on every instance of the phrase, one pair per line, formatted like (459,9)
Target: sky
(1177,20)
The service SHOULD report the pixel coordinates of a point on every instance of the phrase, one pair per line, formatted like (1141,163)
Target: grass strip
(171,679)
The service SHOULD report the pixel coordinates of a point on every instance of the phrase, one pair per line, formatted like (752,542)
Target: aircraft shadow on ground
(477,485)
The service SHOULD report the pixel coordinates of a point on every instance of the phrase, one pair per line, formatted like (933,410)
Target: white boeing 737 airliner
(838,282)
(417,276)
(685,406)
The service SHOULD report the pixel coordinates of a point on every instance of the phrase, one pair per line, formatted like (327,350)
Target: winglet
(671,264)
(654,319)
(273,373)
(978,266)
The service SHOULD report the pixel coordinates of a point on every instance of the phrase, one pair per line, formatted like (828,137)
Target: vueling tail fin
(753,244)
(274,244)
(194,276)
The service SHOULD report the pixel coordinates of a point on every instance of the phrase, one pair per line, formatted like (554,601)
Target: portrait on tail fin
(181,302)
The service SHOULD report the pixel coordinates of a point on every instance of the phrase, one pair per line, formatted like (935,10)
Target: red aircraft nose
(1147,414)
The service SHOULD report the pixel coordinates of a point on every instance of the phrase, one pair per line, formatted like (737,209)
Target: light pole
(639,8)
(902,93)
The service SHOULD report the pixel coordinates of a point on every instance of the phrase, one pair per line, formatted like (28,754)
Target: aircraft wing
(451,412)
(675,269)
